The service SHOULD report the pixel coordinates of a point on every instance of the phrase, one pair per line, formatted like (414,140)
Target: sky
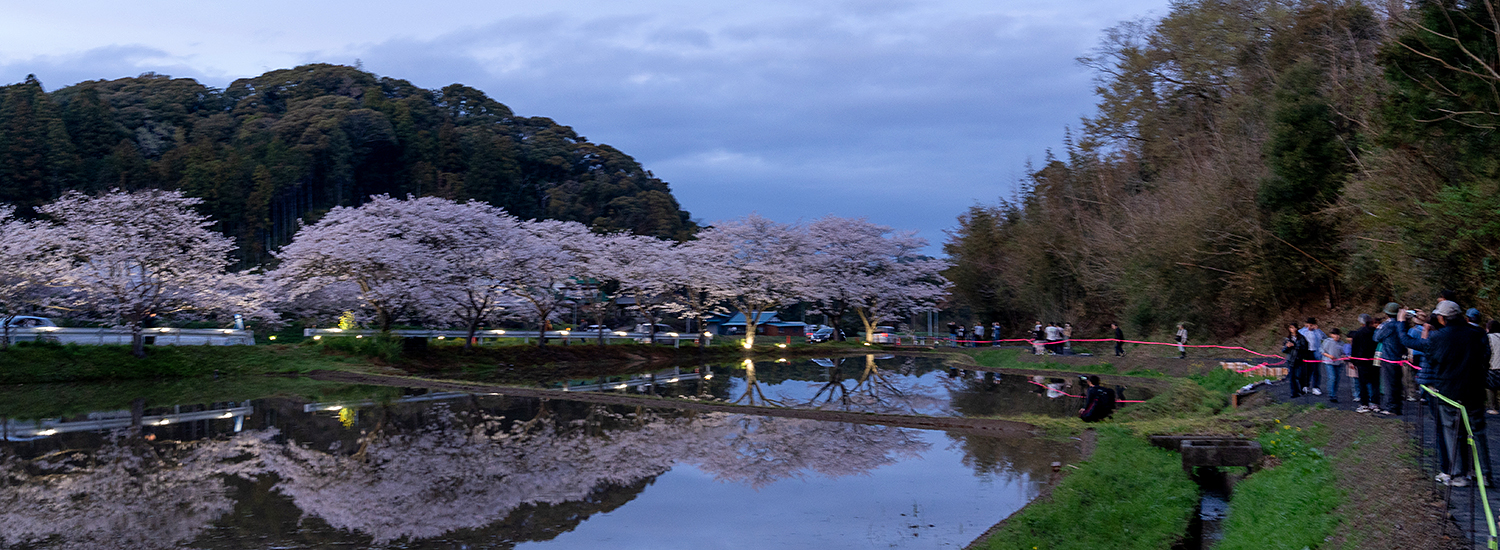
(903,112)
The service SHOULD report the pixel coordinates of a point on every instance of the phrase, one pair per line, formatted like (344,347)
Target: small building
(767,324)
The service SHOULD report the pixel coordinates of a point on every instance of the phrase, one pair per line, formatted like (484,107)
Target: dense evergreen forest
(291,144)
(1249,158)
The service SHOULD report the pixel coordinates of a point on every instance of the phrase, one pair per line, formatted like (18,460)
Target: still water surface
(410,469)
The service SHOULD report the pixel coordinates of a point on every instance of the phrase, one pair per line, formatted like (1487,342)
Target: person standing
(1292,348)
(1362,353)
(1068,338)
(995,334)
(1459,356)
(1493,330)
(1332,355)
(958,337)
(1038,339)
(1181,341)
(1310,358)
(1389,355)
(1119,340)
(1054,335)
(978,334)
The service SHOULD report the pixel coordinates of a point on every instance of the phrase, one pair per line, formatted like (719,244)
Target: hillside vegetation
(1249,158)
(290,144)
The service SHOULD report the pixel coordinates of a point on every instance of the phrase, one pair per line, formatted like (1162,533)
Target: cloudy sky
(904,112)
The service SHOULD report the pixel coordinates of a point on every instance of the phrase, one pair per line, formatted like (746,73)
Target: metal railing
(165,336)
(609,336)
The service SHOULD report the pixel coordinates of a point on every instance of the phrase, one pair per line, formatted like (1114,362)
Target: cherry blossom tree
(642,267)
(378,246)
(20,256)
(700,285)
(477,256)
(547,259)
(761,262)
(126,256)
(861,267)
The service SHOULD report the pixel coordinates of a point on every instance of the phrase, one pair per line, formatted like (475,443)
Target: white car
(884,335)
(26,321)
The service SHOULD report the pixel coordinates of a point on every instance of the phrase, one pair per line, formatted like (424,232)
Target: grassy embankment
(1129,496)
(1122,497)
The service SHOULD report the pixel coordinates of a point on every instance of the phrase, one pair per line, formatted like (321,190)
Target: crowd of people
(1444,359)
(1411,355)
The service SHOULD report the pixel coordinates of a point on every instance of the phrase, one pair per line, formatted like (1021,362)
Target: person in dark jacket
(1292,347)
(1362,355)
(1458,354)
(1389,353)
(1099,401)
(1119,340)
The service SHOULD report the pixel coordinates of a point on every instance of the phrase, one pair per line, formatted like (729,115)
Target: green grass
(1287,507)
(1007,359)
(28,363)
(1129,495)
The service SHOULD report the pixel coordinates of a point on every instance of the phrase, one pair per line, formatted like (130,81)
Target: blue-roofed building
(766,324)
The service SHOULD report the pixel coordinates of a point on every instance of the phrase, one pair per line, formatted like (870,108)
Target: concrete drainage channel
(1204,458)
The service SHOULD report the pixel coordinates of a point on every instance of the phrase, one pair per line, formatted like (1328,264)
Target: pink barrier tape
(1032,382)
(1240,348)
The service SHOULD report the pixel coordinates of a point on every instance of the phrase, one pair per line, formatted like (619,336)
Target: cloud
(906,112)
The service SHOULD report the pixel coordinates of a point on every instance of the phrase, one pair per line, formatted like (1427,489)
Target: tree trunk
(750,329)
(137,340)
(473,328)
(869,328)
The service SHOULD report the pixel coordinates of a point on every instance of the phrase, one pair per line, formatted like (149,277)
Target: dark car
(823,335)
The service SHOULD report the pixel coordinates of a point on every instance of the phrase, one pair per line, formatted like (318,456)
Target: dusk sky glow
(903,112)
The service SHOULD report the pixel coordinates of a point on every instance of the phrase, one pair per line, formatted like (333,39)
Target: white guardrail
(165,336)
(675,338)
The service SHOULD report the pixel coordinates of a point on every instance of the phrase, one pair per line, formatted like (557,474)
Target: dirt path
(972,426)
(1388,501)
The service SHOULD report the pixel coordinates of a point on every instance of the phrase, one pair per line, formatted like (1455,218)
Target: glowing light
(334,329)
(622,386)
(867,343)
(782,346)
(47,432)
(709,334)
(442,337)
(333,407)
(672,379)
(273,336)
(499,332)
(227,415)
(708,377)
(620,333)
(359,336)
(782,360)
(318,337)
(163,422)
(746,344)
(672,334)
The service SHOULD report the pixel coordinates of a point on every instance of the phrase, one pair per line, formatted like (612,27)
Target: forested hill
(1248,158)
(293,143)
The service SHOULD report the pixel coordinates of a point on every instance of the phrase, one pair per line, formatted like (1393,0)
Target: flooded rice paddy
(389,467)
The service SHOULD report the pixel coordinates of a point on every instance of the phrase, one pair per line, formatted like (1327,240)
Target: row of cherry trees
(123,257)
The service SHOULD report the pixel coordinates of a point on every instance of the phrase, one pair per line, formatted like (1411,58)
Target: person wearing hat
(1458,355)
(1473,316)
(1389,357)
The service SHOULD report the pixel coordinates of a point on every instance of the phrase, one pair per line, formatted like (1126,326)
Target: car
(595,329)
(823,334)
(885,335)
(27,321)
(645,328)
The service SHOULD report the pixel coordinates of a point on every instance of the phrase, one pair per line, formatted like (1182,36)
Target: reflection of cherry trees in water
(465,469)
(126,494)
(894,390)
